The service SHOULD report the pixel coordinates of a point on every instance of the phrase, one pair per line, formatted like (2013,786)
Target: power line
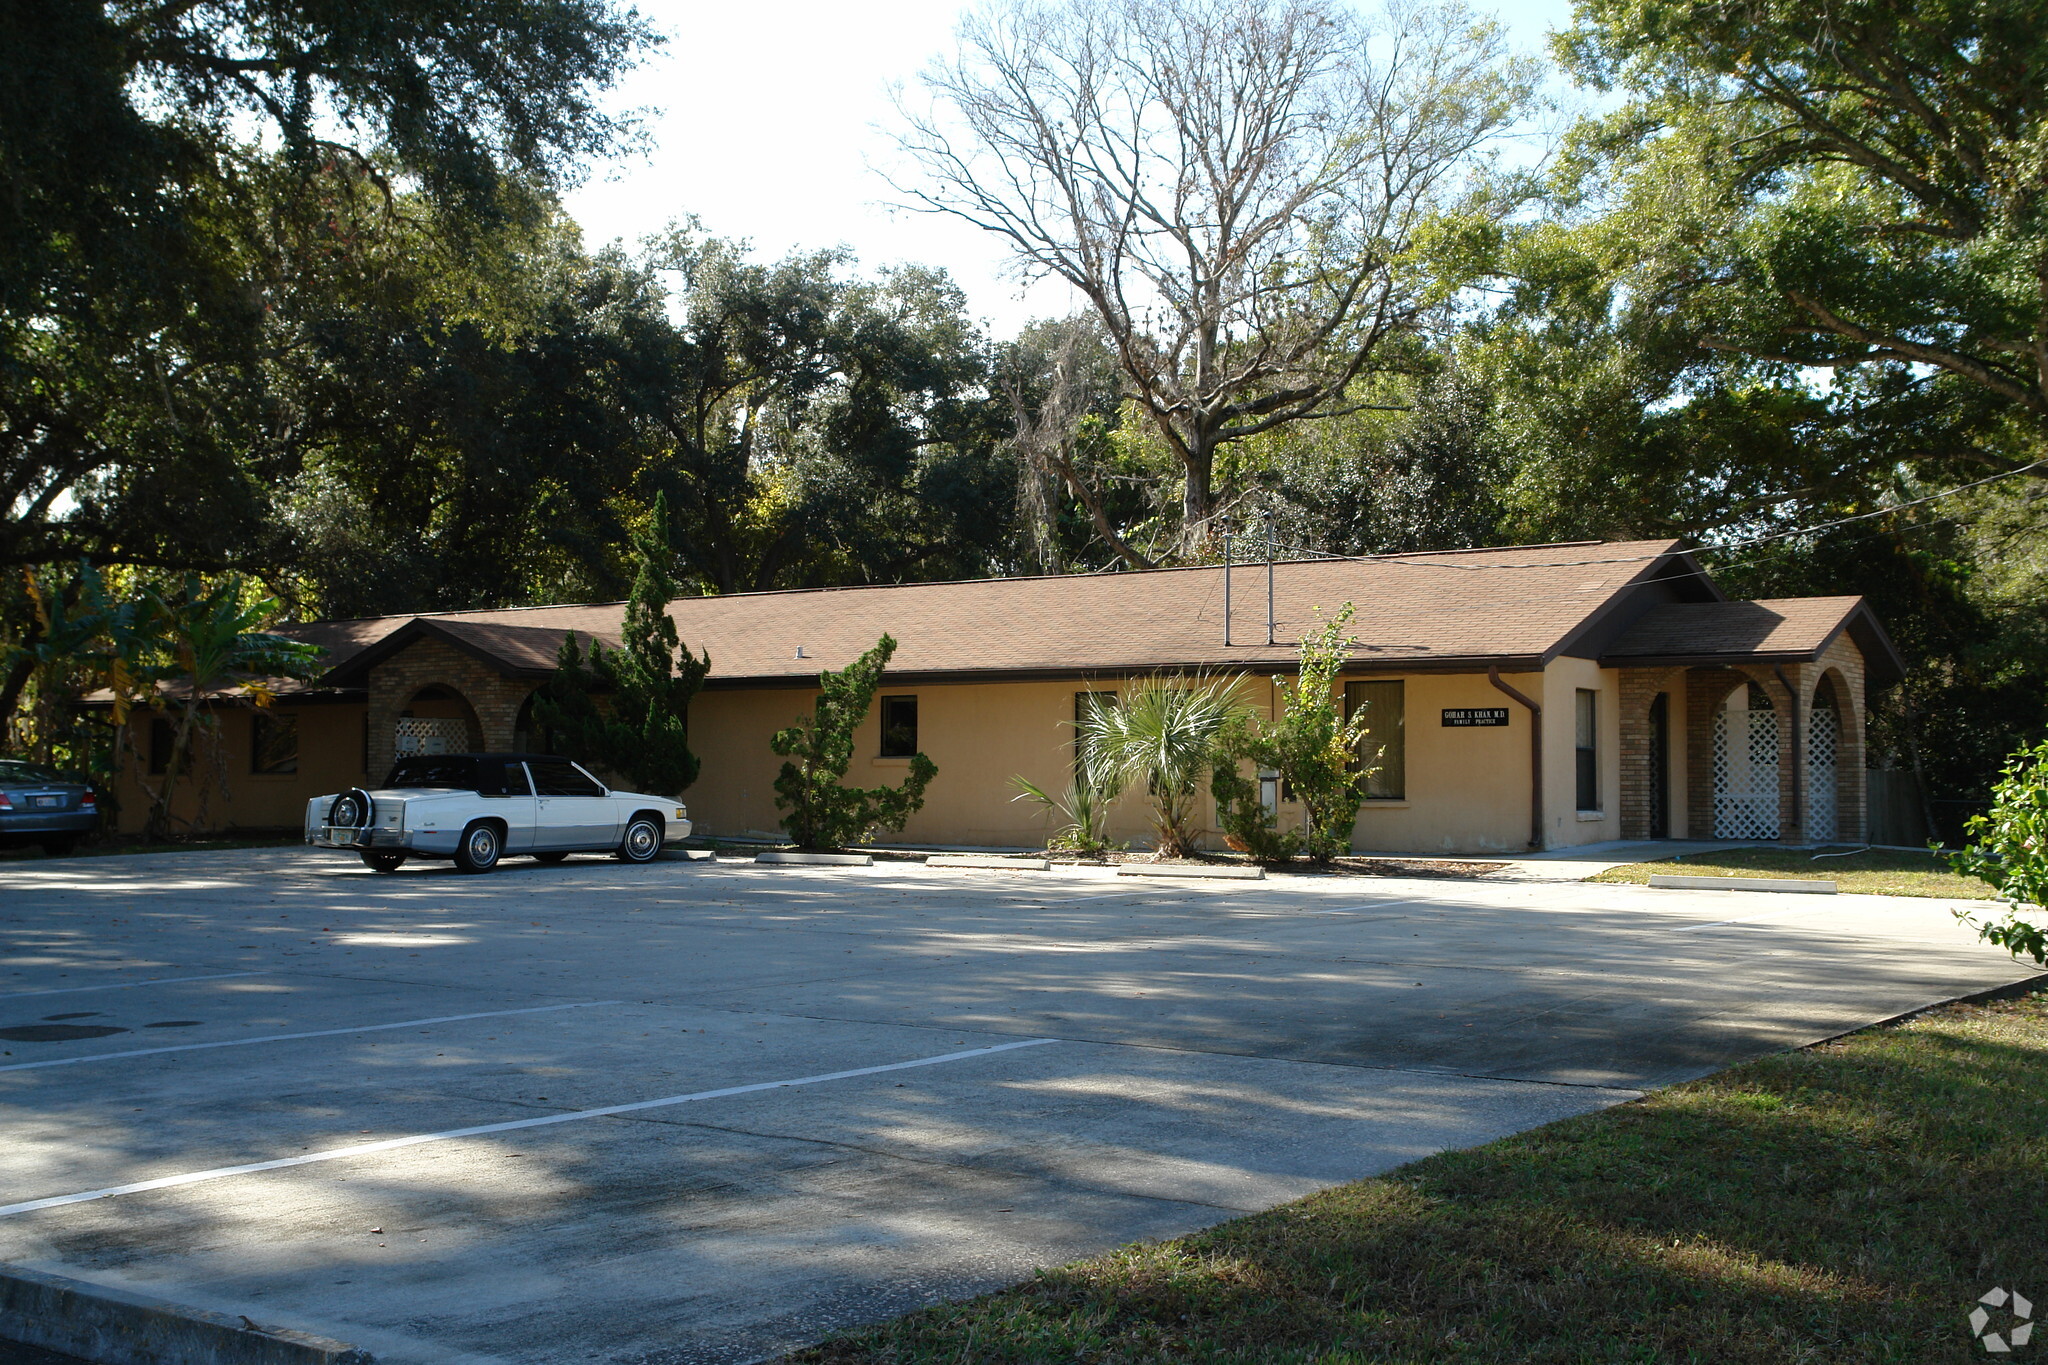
(1416,562)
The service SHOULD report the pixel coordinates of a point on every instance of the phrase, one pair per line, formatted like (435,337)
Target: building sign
(1462,716)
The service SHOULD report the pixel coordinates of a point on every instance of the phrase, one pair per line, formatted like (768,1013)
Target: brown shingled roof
(1785,629)
(1518,605)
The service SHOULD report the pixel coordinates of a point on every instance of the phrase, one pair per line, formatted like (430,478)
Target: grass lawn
(1875,871)
(1848,1202)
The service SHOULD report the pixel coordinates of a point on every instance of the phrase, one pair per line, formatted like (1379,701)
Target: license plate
(46,802)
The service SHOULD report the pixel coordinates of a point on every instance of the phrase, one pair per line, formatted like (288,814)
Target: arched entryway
(1746,765)
(438,720)
(1823,749)
(529,736)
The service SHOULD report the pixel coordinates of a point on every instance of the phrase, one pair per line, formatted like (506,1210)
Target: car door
(571,808)
(507,792)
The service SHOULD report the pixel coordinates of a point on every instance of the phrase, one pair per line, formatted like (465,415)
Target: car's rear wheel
(641,842)
(549,857)
(383,861)
(481,847)
(58,848)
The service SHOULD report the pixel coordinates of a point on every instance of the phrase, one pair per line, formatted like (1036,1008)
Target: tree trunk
(1197,503)
(10,691)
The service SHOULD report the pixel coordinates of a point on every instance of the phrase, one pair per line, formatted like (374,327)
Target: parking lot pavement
(705,1112)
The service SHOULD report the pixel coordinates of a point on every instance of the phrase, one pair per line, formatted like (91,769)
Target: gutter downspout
(1798,757)
(1535,755)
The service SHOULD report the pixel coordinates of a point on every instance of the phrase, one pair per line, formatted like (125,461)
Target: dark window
(1588,750)
(899,727)
(559,777)
(496,777)
(160,738)
(366,742)
(447,771)
(1086,704)
(273,742)
(1384,743)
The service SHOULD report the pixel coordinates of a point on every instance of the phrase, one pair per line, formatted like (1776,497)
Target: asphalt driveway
(705,1112)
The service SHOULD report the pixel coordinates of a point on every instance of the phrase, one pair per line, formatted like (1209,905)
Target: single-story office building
(1544,695)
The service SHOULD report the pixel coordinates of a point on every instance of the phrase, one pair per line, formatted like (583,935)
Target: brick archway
(1640,688)
(1706,691)
(488,695)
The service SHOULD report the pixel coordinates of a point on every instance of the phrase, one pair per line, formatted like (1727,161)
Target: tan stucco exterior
(1467,788)
(330,758)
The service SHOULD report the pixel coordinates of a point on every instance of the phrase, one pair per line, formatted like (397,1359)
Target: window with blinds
(1384,742)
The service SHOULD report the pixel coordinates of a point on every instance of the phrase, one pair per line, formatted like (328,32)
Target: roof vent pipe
(800,651)
(1226,587)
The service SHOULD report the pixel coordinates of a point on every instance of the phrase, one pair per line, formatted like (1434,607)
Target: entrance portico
(1745,720)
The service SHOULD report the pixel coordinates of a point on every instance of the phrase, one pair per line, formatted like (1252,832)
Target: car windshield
(434,771)
(14,770)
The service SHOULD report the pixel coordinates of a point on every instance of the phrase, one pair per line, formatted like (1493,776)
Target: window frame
(1586,751)
(1086,701)
(1394,774)
(162,739)
(263,719)
(533,776)
(885,727)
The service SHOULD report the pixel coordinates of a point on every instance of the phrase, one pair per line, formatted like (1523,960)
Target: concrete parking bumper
(110,1326)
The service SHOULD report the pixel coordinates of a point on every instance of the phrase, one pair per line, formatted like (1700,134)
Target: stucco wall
(330,758)
(1467,788)
(1565,825)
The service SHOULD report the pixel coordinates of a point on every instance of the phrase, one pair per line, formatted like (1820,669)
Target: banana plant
(204,643)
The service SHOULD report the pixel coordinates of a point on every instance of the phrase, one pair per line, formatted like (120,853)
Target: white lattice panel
(1745,769)
(1823,739)
(430,735)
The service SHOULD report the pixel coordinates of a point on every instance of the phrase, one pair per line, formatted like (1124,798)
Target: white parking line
(288,1037)
(512,1125)
(128,985)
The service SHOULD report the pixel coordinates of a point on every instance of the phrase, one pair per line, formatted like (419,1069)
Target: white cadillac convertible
(477,808)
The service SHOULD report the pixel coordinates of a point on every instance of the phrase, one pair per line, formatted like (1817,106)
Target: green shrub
(1310,746)
(1080,813)
(2009,848)
(818,811)
(1162,734)
(641,728)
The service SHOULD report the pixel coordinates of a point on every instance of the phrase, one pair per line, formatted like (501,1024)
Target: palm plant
(1080,813)
(1163,733)
(208,642)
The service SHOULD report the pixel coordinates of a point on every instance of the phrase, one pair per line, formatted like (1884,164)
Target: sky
(769,121)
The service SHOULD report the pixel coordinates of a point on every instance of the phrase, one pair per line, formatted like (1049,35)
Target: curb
(1219,872)
(2011,990)
(1667,881)
(991,861)
(818,859)
(117,1327)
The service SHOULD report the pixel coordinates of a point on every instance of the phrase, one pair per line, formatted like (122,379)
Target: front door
(571,808)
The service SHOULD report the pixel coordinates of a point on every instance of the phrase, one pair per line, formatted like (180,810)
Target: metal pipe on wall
(1535,754)
(1226,589)
(1269,578)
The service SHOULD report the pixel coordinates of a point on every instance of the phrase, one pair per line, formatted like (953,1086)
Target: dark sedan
(41,806)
